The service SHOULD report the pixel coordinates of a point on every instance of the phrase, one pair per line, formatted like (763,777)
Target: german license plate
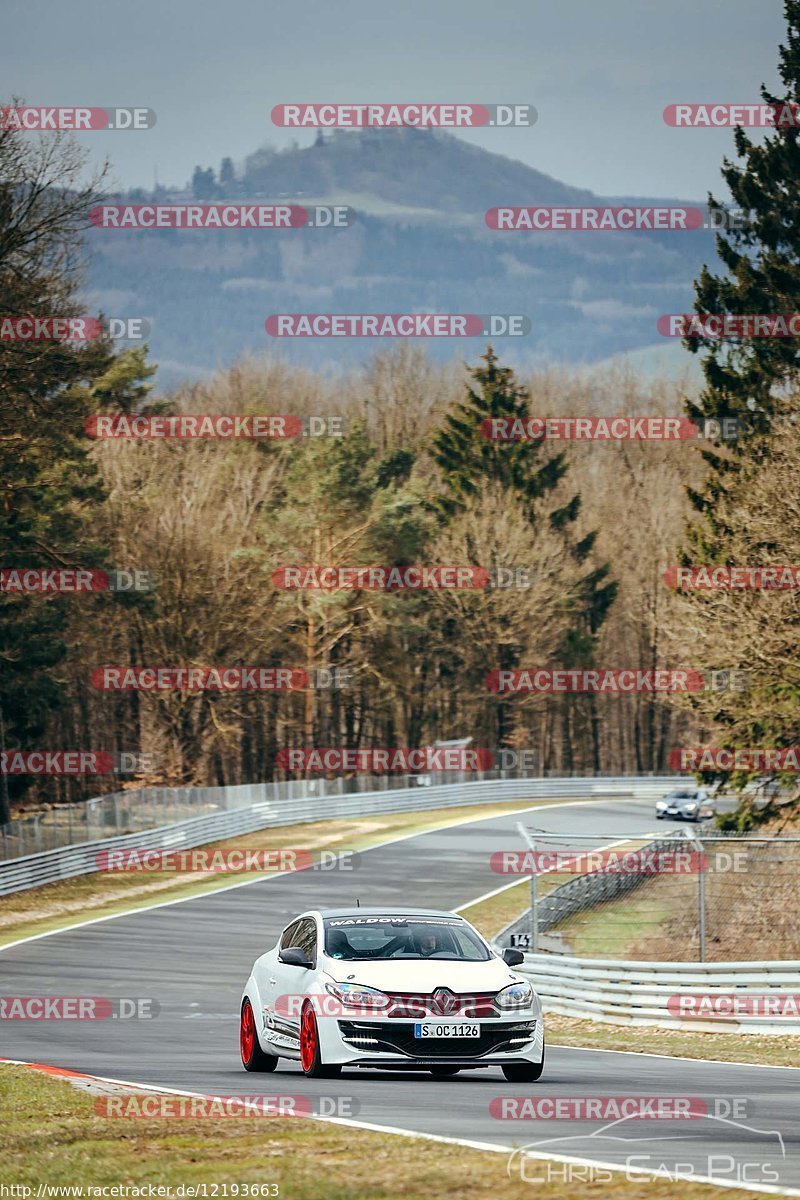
(429,1029)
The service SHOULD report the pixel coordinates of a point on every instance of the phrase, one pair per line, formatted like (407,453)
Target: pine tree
(467,458)
(744,380)
(755,381)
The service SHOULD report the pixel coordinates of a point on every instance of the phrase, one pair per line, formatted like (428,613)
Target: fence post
(534,900)
(701,896)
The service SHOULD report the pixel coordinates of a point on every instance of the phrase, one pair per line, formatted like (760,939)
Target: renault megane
(390,988)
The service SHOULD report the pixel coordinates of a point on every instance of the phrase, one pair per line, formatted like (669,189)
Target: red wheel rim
(247,1032)
(308,1038)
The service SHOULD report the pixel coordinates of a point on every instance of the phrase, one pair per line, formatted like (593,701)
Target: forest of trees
(411,480)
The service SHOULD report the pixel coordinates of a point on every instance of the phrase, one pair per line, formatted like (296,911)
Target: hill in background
(420,243)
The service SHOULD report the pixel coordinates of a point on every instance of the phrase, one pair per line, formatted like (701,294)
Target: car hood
(423,975)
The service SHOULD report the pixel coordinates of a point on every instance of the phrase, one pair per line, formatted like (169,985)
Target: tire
(444,1072)
(310,1055)
(659,816)
(253,1057)
(523,1072)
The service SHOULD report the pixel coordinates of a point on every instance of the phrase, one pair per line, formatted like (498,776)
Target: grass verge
(492,915)
(51,1135)
(614,929)
(758,1049)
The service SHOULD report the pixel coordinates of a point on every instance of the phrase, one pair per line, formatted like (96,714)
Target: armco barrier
(258,806)
(580,893)
(637,993)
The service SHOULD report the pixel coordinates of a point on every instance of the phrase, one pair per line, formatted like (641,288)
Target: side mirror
(293,956)
(513,958)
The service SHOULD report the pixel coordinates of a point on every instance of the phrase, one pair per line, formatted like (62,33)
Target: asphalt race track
(193,958)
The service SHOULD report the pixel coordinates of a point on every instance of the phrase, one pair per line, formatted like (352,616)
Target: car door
(293,980)
(272,985)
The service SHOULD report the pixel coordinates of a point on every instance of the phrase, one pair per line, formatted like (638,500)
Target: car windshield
(682,796)
(362,937)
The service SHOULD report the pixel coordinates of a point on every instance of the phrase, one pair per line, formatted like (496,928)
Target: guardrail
(578,894)
(648,993)
(139,809)
(249,807)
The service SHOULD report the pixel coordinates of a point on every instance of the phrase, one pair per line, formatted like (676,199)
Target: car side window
(306,938)
(288,935)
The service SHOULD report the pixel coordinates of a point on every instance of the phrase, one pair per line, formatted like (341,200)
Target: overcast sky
(599,72)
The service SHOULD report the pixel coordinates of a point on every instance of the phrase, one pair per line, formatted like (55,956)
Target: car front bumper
(373,1042)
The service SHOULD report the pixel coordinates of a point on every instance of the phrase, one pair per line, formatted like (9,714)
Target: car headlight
(690,807)
(357,995)
(661,804)
(516,995)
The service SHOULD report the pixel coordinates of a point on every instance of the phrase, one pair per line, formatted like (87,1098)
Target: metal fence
(696,895)
(136,810)
(167,818)
(150,808)
(724,997)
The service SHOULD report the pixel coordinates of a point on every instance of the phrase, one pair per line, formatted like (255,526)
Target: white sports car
(405,989)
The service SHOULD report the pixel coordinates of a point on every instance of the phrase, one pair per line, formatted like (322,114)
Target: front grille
(397,1037)
(421,1004)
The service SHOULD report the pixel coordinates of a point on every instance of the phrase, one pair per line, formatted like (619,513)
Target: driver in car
(429,944)
(338,945)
